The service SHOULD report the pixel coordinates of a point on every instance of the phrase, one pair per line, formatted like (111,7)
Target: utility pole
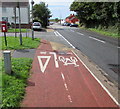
(15,21)
(20,23)
(32,2)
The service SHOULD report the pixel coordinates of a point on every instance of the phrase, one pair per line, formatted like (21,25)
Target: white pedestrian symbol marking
(43,67)
(68,61)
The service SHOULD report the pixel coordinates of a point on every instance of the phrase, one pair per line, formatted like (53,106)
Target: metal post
(5,38)
(20,25)
(32,2)
(7,61)
(26,33)
(15,21)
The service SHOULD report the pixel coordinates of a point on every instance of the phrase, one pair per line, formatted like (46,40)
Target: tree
(96,14)
(56,19)
(42,13)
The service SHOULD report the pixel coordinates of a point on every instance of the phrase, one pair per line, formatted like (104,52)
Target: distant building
(71,19)
(8,12)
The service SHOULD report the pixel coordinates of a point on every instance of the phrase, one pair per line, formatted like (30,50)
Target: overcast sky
(58,8)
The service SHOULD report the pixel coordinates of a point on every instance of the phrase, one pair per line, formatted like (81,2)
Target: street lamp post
(32,2)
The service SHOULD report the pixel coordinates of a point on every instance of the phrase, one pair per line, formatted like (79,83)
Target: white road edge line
(118,47)
(55,33)
(58,33)
(66,40)
(98,80)
(80,33)
(97,39)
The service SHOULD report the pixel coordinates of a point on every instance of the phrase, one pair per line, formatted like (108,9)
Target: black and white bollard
(7,61)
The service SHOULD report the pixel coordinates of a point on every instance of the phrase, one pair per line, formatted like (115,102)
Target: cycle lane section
(59,79)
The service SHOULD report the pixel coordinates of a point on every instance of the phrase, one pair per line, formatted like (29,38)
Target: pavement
(60,79)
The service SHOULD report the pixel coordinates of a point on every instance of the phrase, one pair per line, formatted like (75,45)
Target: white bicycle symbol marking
(68,61)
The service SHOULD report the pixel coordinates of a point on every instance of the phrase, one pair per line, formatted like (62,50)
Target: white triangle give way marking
(43,67)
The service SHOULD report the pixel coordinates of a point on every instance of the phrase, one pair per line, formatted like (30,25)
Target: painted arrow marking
(43,67)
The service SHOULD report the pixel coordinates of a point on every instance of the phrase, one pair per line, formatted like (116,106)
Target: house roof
(13,3)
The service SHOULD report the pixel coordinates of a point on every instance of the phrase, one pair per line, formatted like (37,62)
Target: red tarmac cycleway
(59,79)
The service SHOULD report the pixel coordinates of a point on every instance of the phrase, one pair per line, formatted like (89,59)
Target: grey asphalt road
(100,49)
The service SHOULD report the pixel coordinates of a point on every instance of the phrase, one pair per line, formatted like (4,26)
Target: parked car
(36,26)
(68,24)
(73,25)
(51,23)
(63,24)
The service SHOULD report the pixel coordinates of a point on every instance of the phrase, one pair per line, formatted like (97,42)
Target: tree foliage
(41,13)
(94,14)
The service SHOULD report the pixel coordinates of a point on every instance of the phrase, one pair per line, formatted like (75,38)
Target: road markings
(118,47)
(43,52)
(66,40)
(98,80)
(69,61)
(97,39)
(56,33)
(80,33)
(55,59)
(66,88)
(63,76)
(43,67)
(70,99)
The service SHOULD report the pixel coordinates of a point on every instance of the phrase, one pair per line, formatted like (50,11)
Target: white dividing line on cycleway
(97,39)
(66,87)
(65,39)
(80,33)
(98,80)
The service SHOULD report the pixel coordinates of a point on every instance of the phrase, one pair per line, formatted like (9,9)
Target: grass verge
(13,86)
(0,81)
(106,33)
(17,30)
(14,43)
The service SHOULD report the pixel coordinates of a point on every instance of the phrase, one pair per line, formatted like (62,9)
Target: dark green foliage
(13,86)
(41,13)
(98,14)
